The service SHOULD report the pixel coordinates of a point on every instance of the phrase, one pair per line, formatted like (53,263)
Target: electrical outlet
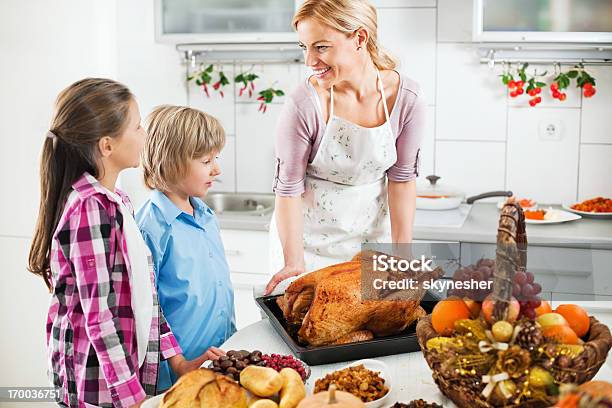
(550,130)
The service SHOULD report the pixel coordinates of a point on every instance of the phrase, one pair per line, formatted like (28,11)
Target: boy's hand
(181,366)
(285,273)
(213,354)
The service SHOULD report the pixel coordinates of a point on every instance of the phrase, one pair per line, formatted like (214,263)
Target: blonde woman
(347,144)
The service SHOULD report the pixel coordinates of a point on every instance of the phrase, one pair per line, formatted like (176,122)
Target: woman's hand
(182,366)
(285,273)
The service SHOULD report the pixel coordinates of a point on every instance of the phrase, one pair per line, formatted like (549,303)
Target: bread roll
(261,381)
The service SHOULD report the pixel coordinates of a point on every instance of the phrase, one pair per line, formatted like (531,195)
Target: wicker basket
(577,370)
(594,356)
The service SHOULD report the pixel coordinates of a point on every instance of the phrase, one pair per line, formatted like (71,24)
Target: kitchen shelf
(262,53)
(545,54)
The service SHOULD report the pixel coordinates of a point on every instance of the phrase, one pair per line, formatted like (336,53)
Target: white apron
(345,199)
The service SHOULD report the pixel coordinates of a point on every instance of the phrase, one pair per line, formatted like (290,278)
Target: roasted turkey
(327,306)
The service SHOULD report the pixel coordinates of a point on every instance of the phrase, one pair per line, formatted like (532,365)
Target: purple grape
(529,313)
(477,276)
(516,290)
(530,277)
(534,303)
(537,288)
(527,290)
(520,278)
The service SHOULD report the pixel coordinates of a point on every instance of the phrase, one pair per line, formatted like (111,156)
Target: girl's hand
(285,273)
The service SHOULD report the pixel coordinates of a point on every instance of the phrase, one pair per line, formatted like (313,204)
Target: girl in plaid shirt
(106,334)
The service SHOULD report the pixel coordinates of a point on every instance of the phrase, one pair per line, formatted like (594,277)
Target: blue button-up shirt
(192,275)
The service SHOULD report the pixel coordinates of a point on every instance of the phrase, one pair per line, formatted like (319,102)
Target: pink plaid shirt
(91,332)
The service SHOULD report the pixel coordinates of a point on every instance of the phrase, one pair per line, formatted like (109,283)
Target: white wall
(44,46)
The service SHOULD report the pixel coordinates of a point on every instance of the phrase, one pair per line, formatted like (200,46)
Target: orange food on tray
(526,203)
(596,205)
(535,215)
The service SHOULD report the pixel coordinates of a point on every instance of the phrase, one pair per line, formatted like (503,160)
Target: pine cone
(530,336)
(469,385)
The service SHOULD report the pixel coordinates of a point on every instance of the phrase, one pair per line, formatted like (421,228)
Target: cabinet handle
(575,274)
(233,252)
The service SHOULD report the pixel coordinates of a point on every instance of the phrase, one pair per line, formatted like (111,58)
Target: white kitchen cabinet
(601,303)
(446,254)
(215,21)
(246,251)
(247,311)
(247,256)
(576,271)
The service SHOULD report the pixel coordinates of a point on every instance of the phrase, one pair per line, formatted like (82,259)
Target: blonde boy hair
(177,134)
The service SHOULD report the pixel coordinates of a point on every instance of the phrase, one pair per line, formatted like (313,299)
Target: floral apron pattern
(345,199)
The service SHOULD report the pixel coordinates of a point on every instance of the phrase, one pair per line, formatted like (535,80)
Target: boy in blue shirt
(182,232)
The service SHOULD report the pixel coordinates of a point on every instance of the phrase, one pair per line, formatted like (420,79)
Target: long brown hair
(347,16)
(85,112)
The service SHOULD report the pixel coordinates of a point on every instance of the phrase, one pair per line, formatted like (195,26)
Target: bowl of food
(368,380)
(235,361)
(598,207)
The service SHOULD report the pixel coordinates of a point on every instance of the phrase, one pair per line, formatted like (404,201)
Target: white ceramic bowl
(153,402)
(384,373)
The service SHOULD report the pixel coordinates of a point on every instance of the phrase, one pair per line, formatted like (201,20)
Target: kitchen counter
(479,227)
(411,376)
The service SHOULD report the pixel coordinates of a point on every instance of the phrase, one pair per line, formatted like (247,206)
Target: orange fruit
(446,312)
(561,334)
(569,401)
(543,308)
(577,318)
(597,389)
